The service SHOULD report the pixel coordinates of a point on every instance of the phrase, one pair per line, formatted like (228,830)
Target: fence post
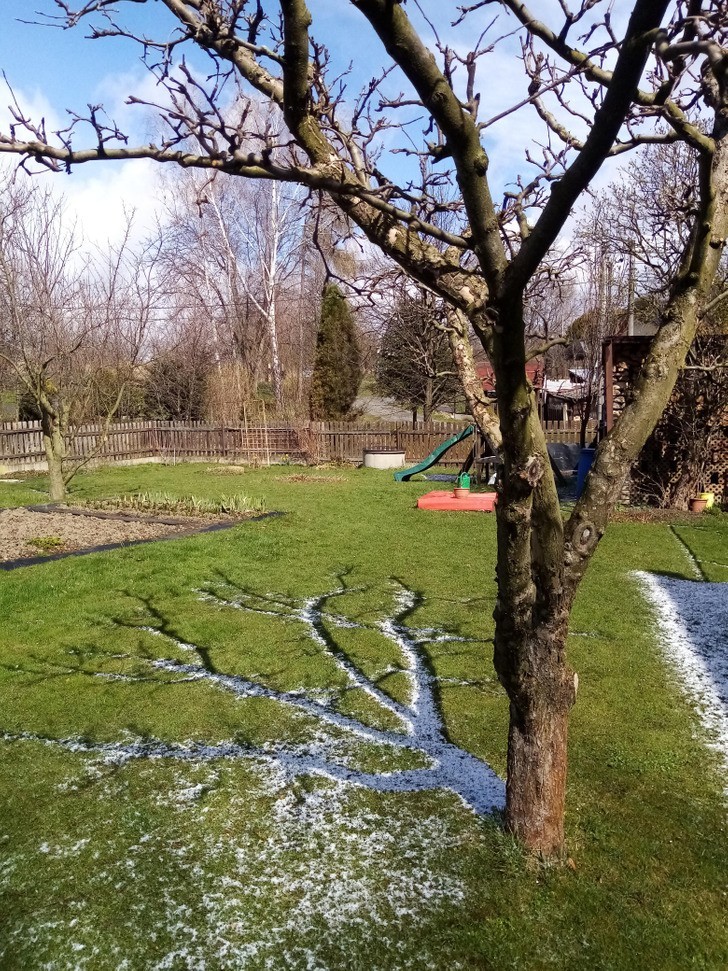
(21,443)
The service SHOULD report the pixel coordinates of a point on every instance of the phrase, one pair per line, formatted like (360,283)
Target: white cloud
(33,104)
(137,121)
(99,196)
(103,197)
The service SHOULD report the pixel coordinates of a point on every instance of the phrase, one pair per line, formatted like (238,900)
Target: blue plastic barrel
(586,457)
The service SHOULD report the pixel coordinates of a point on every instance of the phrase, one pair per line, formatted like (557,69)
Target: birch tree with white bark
(235,249)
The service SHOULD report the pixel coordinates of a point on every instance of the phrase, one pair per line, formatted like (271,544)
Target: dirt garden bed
(648,514)
(34,534)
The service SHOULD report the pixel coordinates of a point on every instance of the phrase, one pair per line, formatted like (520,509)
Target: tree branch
(608,120)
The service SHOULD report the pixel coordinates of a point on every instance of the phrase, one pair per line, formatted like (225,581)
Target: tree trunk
(301,345)
(686,486)
(56,485)
(584,419)
(54,447)
(541,687)
(276,369)
(537,765)
(532,610)
(427,408)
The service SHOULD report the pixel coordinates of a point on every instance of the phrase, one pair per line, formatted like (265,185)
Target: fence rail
(21,443)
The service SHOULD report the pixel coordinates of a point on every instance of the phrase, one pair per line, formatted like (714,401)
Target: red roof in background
(486,375)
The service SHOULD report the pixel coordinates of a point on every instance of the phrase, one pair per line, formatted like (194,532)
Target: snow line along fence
(21,443)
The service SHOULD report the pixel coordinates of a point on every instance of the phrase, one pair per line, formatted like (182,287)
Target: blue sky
(65,70)
(53,70)
(60,65)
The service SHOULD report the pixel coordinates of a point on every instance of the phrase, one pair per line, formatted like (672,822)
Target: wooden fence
(342,441)
(21,443)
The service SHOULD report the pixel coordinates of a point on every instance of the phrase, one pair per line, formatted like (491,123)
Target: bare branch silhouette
(422,731)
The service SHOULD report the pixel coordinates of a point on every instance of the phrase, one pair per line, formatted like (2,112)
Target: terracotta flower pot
(460,493)
(697,505)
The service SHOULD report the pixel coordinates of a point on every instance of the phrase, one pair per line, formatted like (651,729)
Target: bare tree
(598,95)
(637,230)
(235,249)
(605,295)
(179,367)
(259,234)
(645,218)
(414,365)
(675,463)
(74,323)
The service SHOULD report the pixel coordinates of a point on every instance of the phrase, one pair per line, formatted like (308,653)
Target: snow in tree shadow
(420,736)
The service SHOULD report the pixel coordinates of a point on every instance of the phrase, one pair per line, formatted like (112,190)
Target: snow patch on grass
(60,852)
(276,875)
(693,623)
(306,851)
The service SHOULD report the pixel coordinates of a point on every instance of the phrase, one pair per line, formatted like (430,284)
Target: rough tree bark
(54,446)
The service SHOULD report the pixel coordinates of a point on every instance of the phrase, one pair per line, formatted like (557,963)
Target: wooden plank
(23,441)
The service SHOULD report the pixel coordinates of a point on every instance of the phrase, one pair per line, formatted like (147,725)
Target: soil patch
(33,534)
(646,514)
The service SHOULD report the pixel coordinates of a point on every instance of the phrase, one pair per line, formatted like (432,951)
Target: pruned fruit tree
(399,113)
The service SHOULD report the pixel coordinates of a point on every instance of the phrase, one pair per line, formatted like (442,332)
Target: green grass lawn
(235,853)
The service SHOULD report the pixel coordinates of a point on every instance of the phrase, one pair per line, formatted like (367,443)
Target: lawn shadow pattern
(421,728)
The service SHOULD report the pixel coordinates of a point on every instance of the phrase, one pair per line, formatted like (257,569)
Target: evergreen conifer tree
(337,365)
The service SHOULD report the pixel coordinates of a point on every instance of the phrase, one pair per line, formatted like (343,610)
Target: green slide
(404,475)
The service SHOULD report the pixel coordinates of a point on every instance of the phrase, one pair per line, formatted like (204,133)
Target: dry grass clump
(226,470)
(47,544)
(156,502)
(306,477)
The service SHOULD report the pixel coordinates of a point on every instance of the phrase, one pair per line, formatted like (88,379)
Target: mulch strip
(125,517)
